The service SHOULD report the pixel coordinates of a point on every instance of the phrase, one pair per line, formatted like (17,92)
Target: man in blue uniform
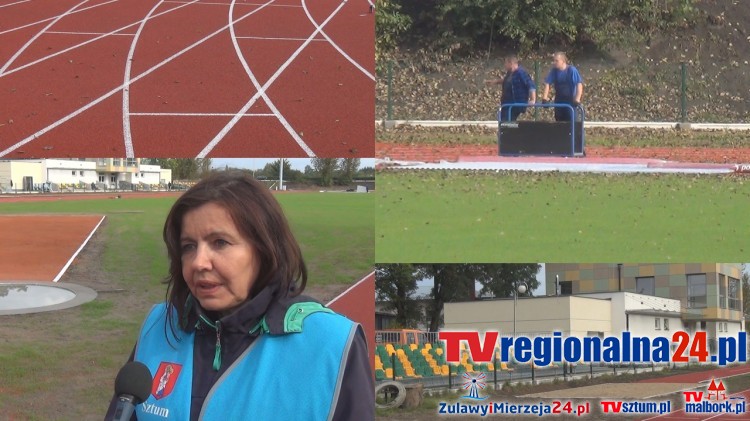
(518,87)
(568,86)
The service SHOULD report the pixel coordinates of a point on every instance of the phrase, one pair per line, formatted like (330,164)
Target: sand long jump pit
(41,247)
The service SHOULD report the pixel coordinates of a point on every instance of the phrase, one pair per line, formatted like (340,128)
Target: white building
(600,314)
(105,173)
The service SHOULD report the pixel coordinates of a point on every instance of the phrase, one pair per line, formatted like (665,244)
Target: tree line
(396,286)
(324,172)
(523,25)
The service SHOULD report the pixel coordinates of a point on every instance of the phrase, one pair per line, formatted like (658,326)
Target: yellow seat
(413,347)
(490,367)
(428,346)
(444,369)
(389,373)
(439,351)
(504,367)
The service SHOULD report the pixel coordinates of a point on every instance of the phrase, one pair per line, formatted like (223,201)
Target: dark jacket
(520,84)
(357,396)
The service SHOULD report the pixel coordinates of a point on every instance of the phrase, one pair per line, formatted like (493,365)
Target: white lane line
(53,17)
(201,114)
(127,137)
(84,33)
(73,257)
(297,138)
(127,133)
(371,3)
(223,132)
(334,45)
(11,4)
(280,39)
(88,41)
(34,38)
(118,89)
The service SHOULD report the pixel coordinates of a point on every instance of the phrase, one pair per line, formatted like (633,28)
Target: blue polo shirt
(565,82)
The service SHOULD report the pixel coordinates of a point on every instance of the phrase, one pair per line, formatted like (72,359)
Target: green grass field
(464,216)
(61,365)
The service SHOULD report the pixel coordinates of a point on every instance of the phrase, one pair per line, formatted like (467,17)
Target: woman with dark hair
(235,339)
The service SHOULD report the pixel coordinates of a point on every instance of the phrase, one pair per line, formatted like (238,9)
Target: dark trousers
(563,113)
(514,113)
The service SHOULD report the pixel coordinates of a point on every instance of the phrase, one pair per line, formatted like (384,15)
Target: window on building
(657,324)
(666,324)
(101,178)
(101,162)
(645,285)
(734,294)
(131,162)
(80,173)
(566,287)
(143,174)
(726,327)
(721,327)
(722,291)
(696,289)
(73,173)
(136,175)
(113,179)
(116,162)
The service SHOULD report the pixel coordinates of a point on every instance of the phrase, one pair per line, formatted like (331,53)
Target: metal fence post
(565,371)
(683,92)
(536,81)
(389,109)
(533,379)
(591,370)
(450,376)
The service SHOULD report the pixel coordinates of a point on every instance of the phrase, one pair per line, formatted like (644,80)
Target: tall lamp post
(518,288)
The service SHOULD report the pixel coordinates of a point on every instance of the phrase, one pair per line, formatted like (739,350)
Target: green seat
(379,374)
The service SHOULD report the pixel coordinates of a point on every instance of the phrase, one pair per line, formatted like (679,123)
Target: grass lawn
(61,365)
(465,216)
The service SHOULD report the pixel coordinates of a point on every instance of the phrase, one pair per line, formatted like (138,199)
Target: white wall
(149,174)
(17,170)
(567,314)
(165,175)
(645,325)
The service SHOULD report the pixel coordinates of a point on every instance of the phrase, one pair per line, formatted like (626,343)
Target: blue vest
(295,375)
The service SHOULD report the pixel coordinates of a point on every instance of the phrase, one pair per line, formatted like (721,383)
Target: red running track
(704,376)
(185,78)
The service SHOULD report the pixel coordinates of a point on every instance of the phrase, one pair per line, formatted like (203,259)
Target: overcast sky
(259,163)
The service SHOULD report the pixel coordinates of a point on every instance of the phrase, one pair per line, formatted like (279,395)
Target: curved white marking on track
(89,41)
(127,135)
(334,45)
(118,89)
(18,28)
(35,37)
(259,88)
(223,132)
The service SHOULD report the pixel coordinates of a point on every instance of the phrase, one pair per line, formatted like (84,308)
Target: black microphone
(132,386)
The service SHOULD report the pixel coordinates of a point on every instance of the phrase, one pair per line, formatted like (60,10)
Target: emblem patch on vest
(165,378)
